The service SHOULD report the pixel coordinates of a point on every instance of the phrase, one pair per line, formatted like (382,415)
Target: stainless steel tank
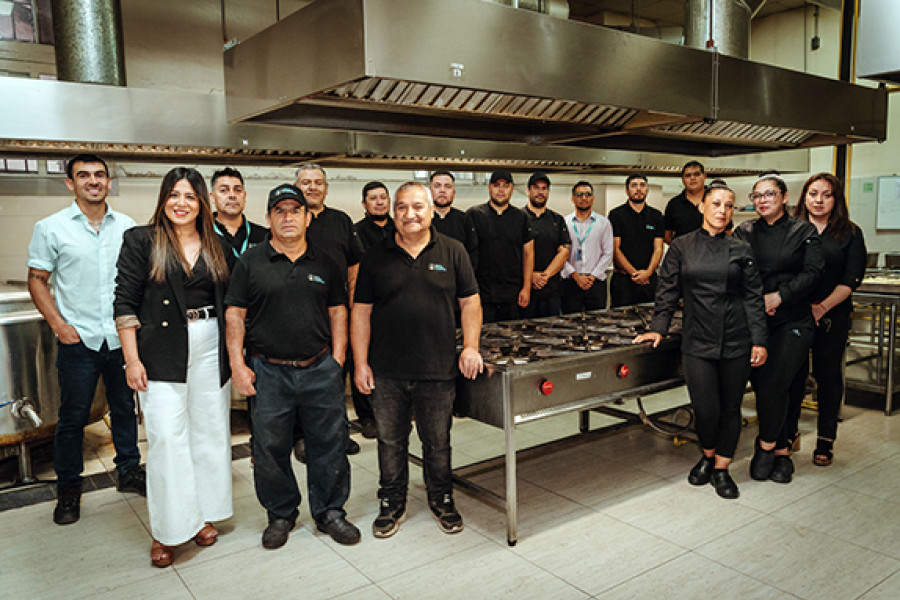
(29,387)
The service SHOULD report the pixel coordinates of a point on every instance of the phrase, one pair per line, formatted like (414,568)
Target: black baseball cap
(539,176)
(285,191)
(501,174)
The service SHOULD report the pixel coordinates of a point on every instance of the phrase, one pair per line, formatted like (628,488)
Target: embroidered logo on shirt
(437,267)
(315,278)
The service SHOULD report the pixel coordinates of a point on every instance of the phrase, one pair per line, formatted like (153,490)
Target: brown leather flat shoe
(207,536)
(161,555)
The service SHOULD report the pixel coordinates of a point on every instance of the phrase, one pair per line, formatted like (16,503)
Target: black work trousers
(788,349)
(716,387)
(625,292)
(828,347)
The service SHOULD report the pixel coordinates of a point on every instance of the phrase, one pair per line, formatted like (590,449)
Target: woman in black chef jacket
(823,204)
(724,329)
(789,256)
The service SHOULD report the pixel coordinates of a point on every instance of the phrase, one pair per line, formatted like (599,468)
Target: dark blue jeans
(395,401)
(79,370)
(313,397)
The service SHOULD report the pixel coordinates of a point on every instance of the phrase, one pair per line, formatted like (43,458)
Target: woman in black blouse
(789,256)
(724,330)
(823,204)
(169,312)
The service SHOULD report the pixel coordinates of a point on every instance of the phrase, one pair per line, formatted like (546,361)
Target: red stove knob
(622,371)
(546,387)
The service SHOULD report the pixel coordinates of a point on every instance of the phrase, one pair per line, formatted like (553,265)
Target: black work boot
(68,505)
(762,462)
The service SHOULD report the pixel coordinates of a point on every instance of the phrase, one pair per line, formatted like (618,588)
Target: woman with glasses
(724,331)
(169,310)
(789,257)
(823,204)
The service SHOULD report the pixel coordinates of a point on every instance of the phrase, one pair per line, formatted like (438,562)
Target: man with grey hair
(332,231)
(403,333)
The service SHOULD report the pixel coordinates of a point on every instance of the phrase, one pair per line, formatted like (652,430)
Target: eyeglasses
(768,195)
(583,194)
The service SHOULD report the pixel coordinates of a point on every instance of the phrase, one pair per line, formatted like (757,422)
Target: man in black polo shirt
(452,221)
(374,227)
(403,332)
(228,193)
(682,213)
(287,301)
(551,250)
(505,251)
(637,246)
(333,232)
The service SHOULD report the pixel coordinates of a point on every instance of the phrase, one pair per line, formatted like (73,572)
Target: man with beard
(452,221)
(227,191)
(682,213)
(505,251)
(371,229)
(551,249)
(79,246)
(638,232)
(404,337)
(584,274)
(332,231)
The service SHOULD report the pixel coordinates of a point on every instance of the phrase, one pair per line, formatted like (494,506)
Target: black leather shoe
(276,534)
(133,480)
(340,529)
(68,505)
(701,472)
(724,484)
(762,462)
(783,470)
(352,447)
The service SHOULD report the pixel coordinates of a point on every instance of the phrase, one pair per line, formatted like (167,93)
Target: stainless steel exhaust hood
(470,69)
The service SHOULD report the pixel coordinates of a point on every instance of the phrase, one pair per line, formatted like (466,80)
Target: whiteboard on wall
(888,203)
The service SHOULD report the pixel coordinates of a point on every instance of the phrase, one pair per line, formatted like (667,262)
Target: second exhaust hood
(471,69)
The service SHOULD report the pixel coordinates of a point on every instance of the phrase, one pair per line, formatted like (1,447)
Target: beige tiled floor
(611,516)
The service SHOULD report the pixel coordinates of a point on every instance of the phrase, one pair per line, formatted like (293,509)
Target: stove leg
(509,426)
(584,421)
(25,474)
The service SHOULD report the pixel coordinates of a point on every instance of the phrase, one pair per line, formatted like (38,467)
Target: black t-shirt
(413,307)
(370,233)
(333,232)
(501,237)
(458,225)
(287,302)
(637,231)
(682,216)
(550,232)
(247,235)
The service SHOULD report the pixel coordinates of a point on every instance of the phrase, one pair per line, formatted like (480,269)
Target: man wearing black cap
(551,250)
(449,220)
(505,251)
(638,232)
(288,301)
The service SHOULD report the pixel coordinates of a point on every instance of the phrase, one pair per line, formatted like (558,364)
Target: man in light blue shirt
(591,253)
(79,246)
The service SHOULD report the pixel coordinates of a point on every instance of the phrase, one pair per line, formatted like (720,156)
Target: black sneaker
(389,518)
(68,505)
(445,513)
(352,446)
(276,534)
(339,528)
(133,480)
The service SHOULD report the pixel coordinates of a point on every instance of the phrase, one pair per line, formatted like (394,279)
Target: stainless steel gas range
(538,368)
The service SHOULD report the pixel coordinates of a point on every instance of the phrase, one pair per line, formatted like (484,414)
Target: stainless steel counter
(873,337)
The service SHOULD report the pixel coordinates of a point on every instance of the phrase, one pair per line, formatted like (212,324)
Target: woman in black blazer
(170,286)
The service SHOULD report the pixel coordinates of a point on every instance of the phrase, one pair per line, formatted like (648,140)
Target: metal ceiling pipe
(88,41)
(720,24)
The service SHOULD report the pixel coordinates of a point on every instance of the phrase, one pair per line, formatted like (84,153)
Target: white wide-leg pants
(189,443)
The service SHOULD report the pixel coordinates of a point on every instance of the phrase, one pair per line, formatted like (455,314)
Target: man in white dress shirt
(591,253)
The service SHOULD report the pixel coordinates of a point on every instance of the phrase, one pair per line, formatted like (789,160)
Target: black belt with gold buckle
(300,364)
(195,314)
